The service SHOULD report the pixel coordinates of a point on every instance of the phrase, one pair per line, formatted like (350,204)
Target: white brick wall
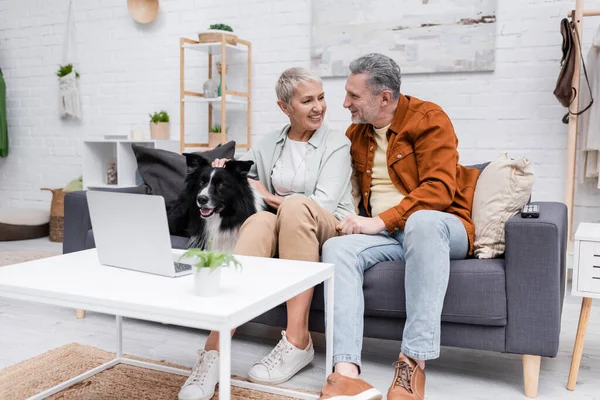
(128,70)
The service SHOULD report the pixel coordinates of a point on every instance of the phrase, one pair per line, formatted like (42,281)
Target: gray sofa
(511,304)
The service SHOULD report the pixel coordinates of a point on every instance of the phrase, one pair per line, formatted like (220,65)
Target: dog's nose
(202,199)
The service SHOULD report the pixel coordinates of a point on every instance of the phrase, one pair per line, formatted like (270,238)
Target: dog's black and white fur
(214,204)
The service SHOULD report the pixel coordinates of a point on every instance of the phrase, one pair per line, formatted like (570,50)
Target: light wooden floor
(28,329)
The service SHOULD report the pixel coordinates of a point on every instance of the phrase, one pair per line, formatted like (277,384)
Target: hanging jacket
(589,122)
(3,124)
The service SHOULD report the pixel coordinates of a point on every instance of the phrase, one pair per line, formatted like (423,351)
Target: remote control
(530,211)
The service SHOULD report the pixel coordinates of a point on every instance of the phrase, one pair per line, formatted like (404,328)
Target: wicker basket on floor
(57,214)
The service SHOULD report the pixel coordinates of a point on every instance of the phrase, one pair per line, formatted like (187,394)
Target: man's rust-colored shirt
(422,160)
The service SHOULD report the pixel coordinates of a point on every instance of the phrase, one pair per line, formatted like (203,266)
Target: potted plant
(215,32)
(207,269)
(64,70)
(69,101)
(159,125)
(214,136)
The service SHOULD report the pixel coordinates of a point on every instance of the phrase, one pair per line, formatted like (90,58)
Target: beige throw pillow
(503,188)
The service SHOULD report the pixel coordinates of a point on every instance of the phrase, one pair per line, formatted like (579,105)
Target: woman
(303,172)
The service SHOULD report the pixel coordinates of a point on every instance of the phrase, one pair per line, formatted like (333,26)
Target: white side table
(586,284)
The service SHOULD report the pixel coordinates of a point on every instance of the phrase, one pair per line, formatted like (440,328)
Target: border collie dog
(214,204)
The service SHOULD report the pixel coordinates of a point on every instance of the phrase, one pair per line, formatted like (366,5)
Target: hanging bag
(564,90)
(69,101)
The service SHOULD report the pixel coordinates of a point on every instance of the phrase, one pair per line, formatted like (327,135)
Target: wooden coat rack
(576,16)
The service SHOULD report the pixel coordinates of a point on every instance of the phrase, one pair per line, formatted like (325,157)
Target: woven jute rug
(37,374)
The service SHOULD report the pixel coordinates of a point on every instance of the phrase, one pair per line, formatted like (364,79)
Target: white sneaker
(200,385)
(283,362)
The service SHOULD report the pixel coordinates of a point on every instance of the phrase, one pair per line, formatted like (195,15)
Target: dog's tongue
(206,211)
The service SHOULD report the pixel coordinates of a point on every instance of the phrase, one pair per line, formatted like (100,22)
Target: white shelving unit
(223,45)
(98,153)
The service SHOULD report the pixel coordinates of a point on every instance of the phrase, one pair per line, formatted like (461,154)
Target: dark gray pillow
(164,171)
(480,167)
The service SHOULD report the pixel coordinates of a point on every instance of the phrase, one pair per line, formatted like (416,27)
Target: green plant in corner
(222,27)
(161,116)
(64,70)
(211,259)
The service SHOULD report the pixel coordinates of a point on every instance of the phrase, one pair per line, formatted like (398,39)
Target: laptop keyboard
(180,267)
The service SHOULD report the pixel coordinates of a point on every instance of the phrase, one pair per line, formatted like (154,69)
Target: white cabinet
(586,284)
(97,154)
(586,265)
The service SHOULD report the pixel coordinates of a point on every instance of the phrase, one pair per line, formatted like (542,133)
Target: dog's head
(214,190)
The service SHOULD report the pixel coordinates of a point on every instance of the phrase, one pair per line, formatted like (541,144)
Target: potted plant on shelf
(159,125)
(214,136)
(207,269)
(215,32)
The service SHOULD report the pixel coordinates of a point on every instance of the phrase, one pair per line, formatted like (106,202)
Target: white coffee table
(78,280)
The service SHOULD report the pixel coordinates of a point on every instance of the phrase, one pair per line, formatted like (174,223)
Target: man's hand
(357,224)
(220,162)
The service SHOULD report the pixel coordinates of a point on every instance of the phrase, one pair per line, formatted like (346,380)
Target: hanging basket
(57,214)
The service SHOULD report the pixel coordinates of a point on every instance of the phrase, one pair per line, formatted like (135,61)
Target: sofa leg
(80,313)
(531,374)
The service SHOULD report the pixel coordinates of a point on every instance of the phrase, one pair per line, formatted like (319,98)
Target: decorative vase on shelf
(111,173)
(211,89)
(220,90)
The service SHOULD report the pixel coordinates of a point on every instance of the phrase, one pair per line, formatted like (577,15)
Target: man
(419,199)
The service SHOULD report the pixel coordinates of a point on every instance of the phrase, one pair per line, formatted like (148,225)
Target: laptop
(131,231)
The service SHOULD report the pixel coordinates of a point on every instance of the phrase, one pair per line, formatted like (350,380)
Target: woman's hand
(220,162)
(353,224)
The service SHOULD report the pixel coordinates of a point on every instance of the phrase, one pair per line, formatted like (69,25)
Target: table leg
(584,316)
(329,328)
(225,364)
(119,337)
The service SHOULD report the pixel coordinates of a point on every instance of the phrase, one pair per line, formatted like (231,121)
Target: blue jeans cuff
(347,358)
(420,355)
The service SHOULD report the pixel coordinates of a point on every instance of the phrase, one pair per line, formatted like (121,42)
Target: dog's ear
(195,161)
(239,167)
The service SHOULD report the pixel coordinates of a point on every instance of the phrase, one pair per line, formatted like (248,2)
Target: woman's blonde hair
(289,80)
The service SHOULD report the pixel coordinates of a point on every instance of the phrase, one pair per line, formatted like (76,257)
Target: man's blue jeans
(427,244)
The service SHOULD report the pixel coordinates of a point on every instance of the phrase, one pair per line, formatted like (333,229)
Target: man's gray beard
(359,120)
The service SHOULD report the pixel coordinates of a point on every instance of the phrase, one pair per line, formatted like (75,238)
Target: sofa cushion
(164,171)
(503,188)
(476,292)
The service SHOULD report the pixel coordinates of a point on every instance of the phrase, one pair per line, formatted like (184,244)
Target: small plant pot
(214,139)
(215,35)
(159,130)
(207,281)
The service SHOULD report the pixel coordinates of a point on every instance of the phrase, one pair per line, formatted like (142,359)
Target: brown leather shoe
(339,386)
(409,380)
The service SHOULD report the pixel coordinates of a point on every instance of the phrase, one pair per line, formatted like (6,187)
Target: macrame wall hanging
(69,101)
